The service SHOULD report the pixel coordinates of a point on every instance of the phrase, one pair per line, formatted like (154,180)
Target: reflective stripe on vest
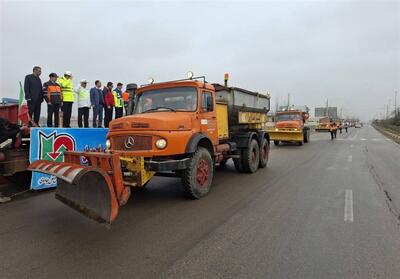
(117,100)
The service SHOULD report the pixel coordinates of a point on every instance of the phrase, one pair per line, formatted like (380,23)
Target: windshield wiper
(157,108)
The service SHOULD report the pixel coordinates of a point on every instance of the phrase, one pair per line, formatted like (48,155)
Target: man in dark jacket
(52,95)
(34,93)
(97,102)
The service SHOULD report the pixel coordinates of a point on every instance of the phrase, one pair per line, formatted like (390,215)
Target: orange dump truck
(323,124)
(180,128)
(290,126)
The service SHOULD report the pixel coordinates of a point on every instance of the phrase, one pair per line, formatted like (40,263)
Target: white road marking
(350,158)
(348,206)
(363,139)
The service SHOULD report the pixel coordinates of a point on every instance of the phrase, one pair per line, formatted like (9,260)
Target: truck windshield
(286,117)
(167,99)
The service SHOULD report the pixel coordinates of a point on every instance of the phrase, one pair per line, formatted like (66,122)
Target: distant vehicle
(323,125)
(290,126)
(357,125)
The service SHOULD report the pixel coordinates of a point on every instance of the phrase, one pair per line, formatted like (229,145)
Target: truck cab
(165,118)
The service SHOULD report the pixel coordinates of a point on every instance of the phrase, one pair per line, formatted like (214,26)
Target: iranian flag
(21,95)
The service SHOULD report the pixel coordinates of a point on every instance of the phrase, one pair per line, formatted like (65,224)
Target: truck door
(208,118)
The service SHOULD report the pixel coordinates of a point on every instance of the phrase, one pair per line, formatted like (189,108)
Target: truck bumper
(286,136)
(169,165)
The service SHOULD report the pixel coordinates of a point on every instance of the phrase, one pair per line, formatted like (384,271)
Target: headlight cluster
(108,144)
(161,143)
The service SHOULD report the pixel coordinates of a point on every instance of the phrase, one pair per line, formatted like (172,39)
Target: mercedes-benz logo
(129,142)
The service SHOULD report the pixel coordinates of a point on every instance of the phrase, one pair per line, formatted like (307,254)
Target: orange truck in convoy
(323,124)
(181,128)
(290,126)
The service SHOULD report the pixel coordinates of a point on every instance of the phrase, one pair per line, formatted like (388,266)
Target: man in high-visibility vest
(119,103)
(83,104)
(125,98)
(52,95)
(67,91)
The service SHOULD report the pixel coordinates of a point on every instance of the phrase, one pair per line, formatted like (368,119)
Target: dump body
(179,128)
(290,127)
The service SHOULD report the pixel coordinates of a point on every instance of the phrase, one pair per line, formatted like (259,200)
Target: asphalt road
(328,209)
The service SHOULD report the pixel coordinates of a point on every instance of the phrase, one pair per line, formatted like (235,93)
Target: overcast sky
(344,51)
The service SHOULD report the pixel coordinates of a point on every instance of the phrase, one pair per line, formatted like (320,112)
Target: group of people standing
(333,127)
(59,94)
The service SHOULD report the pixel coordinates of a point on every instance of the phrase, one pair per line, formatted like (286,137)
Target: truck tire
(306,136)
(276,142)
(300,143)
(264,153)
(238,164)
(251,157)
(197,178)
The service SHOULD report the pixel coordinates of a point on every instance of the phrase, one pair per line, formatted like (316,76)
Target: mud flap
(86,189)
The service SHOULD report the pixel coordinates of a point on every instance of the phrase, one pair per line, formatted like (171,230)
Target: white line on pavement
(350,158)
(363,139)
(348,206)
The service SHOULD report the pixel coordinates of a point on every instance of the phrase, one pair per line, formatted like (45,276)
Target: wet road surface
(328,209)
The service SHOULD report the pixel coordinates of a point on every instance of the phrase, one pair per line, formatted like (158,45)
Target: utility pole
(327,108)
(395,104)
(288,100)
(387,111)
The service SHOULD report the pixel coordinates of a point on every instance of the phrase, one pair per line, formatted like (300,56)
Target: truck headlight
(161,143)
(108,144)
(276,129)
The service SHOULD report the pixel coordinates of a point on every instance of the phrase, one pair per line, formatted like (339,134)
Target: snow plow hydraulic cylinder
(95,189)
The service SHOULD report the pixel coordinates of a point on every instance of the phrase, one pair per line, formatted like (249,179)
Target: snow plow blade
(96,190)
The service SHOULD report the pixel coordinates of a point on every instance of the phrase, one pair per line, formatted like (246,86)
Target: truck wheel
(264,153)
(251,157)
(300,143)
(238,163)
(276,142)
(306,136)
(197,178)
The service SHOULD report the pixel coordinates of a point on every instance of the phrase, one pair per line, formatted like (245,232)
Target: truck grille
(140,125)
(131,143)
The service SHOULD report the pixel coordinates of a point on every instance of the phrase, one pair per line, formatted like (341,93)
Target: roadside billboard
(50,144)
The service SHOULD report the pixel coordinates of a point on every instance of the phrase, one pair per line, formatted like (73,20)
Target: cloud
(347,52)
